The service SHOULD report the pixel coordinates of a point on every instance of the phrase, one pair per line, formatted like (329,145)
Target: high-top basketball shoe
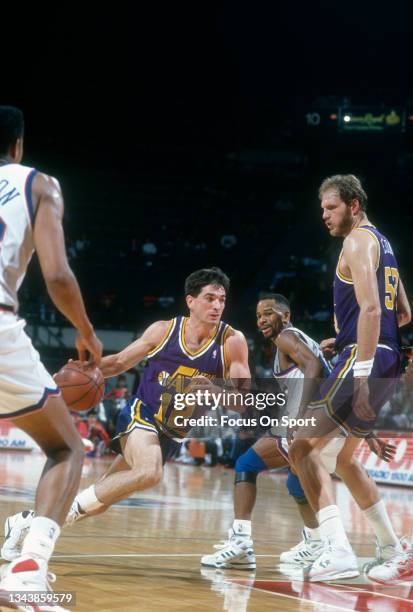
(27,575)
(396,569)
(385,553)
(235,553)
(303,553)
(15,530)
(334,562)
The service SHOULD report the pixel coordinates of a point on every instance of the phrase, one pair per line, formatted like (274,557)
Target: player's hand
(361,400)
(384,450)
(89,343)
(328,348)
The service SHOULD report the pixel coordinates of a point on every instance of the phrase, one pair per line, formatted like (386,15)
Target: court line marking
(344,587)
(360,589)
(97,556)
(351,587)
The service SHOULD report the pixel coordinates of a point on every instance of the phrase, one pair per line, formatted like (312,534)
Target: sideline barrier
(400,470)
(13,438)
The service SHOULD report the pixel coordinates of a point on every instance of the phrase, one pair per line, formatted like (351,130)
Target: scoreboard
(359,119)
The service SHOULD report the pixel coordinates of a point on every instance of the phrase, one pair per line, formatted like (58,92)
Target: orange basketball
(82,386)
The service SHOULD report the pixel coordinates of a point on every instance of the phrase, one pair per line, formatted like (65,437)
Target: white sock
(41,538)
(241,527)
(331,526)
(380,523)
(87,500)
(313,534)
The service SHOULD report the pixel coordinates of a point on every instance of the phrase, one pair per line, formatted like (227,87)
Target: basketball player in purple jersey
(180,352)
(370,305)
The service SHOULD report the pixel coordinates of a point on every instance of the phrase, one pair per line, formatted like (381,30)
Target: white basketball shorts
(25,384)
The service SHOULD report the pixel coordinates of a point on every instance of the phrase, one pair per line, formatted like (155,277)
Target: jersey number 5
(391,277)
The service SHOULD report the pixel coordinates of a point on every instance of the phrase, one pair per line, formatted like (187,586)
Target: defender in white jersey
(31,209)
(298,363)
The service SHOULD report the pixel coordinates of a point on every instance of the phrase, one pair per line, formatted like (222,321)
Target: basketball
(82,386)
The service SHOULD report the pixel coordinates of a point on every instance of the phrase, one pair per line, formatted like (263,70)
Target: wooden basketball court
(144,554)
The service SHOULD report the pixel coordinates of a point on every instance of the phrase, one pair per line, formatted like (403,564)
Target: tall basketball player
(370,305)
(298,366)
(31,210)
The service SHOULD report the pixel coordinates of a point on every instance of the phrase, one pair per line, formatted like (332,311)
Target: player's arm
(61,283)
(298,352)
(361,256)
(236,350)
(404,314)
(112,365)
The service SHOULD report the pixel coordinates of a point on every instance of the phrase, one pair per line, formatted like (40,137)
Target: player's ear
(189,299)
(355,206)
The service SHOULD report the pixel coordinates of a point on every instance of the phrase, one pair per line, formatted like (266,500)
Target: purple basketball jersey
(346,308)
(171,366)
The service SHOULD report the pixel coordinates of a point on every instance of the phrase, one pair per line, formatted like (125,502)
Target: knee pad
(245,477)
(295,489)
(248,466)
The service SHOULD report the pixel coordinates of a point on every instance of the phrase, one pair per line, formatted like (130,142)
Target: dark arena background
(191,135)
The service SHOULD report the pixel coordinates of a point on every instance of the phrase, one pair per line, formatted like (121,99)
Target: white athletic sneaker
(27,575)
(75,514)
(335,562)
(385,553)
(396,569)
(15,530)
(223,543)
(236,553)
(303,553)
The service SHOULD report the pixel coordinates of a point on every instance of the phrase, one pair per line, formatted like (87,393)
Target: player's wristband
(363,368)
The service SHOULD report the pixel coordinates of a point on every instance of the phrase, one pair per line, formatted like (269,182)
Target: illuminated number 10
(391,277)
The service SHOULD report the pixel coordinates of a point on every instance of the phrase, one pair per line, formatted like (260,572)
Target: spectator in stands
(98,436)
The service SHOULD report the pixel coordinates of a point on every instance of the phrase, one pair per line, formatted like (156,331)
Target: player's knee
(298,451)
(77,450)
(248,466)
(145,479)
(154,476)
(72,450)
(295,489)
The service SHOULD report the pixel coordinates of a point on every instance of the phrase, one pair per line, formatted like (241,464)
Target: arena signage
(400,470)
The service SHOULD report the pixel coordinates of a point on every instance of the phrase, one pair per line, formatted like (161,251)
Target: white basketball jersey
(16,229)
(291,380)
